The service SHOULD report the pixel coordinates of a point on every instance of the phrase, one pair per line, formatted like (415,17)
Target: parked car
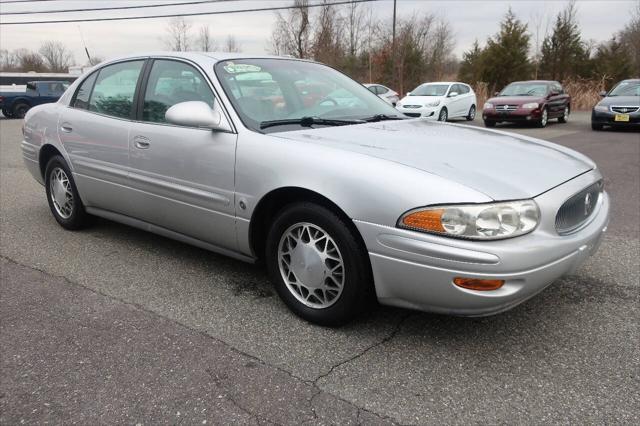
(15,104)
(534,102)
(618,108)
(383,92)
(341,200)
(439,101)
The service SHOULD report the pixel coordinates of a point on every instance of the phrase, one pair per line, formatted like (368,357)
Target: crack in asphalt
(313,383)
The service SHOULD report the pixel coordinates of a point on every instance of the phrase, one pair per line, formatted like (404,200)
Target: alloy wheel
(544,118)
(61,193)
(443,115)
(311,265)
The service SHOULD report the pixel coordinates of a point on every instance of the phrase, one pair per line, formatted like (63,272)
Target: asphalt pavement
(115,325)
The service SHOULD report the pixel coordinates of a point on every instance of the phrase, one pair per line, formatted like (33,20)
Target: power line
(24,12)
(24,1)
(222,12)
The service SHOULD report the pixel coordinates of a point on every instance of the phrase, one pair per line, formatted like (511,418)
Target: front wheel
(62,195)
(489,123)
(596,126)
(443,114)
(544,118)
(472,113)
(20,110)
(318,266)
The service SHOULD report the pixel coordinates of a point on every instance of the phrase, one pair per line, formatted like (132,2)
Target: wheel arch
(274,201)
(46,153)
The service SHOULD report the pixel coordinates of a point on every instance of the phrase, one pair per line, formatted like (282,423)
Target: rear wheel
(565,115)
(62,195)
(489,123)
(20,110)
(7,113)
(472,113)
(444,115)
(319,268)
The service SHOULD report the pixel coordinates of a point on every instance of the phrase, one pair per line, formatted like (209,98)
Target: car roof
(199,56)
(631,80)
(536,81)
(444,82)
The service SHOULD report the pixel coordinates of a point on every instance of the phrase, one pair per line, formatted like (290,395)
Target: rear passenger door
(94,130)
(183,177)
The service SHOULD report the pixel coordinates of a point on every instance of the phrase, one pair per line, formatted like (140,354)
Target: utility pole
(393,48)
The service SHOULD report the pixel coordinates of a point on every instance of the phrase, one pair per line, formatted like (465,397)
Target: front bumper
(608,119)
(416,270)
(518,116)
(429,113)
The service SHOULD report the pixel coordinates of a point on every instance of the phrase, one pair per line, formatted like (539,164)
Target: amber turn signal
(478,284)
(425,220)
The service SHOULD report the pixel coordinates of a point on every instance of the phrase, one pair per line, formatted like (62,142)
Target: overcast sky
(470,19)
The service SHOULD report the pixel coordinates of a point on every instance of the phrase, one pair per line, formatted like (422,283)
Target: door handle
(66,128)
(141,142)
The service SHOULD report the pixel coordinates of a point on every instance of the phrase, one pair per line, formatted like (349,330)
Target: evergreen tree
(471,65)
(506,57)
(612,62)
(563,52)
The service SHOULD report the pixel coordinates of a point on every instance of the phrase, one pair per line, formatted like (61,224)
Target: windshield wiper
(382,117)
(308,122)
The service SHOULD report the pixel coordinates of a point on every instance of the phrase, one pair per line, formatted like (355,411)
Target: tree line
(52,56)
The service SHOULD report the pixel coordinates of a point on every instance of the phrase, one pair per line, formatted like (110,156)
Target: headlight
(488,105)
(492,221)
(531,105)
(434,103)
(601,108)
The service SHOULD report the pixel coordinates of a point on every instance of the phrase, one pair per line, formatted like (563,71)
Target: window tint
(172,82)
(464,89)
(382,90)
(113,92)
(84,92)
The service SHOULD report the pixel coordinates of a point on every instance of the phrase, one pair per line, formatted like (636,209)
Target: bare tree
(355,27)
(327,38)
(439,53)
(206,42)
(8,61)
(177,37)
(291,35)
(539,34)
(95,60)
(57,57)
(231,45)
(29,61)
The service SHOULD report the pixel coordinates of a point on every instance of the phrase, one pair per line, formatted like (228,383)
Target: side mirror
(408,93)
(603,93)
(453,94)
(194,114)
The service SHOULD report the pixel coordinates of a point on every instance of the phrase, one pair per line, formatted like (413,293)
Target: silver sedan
(294,163)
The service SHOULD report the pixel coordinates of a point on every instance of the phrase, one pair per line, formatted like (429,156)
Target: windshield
(265,90)
(626,88)
(430,90)
(525,89)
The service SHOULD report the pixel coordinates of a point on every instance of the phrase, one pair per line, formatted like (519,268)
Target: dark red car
(534,102)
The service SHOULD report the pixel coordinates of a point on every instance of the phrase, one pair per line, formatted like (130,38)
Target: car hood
(420,100)
(515,100)
(620,101)
(501,165)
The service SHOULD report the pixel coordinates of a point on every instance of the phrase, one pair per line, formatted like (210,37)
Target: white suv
(439,101)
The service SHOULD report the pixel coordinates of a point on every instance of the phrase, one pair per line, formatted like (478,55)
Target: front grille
(506,107)
(577,209)
(412,114)
(412,106)
(624,109)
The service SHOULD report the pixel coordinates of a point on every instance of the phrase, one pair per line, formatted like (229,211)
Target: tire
(565,115)
(472,113)
(444,114)
(70,215)
(488,123)
(20,110)
(544,119)
(300,276)
(7,113)
(596,126)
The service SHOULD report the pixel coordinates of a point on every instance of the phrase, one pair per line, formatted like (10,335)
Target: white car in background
(439,101)
(384,93)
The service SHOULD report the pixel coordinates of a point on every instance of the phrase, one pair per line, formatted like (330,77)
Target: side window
(113,92)
(464,89)
(373,89)
(455,88)
(84,92)
(172,82)
(381,90)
